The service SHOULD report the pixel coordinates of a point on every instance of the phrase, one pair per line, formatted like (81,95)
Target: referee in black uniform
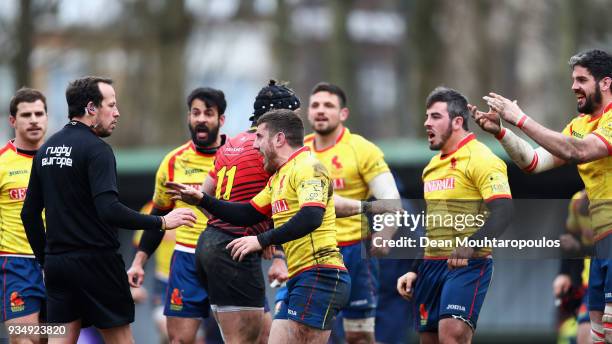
(74,179)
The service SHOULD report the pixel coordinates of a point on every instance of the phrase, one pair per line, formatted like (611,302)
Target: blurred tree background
(388,55)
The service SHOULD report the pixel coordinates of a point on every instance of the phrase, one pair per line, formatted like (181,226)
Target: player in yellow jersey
(358,171)
(570,284)
(464,179)
(23,291)
(299,199)
(186,302)
(586,141)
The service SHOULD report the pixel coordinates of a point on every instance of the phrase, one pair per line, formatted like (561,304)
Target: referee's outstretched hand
(180,217)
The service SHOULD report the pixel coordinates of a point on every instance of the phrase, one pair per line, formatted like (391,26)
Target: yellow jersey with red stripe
(299,182)
(352,163)
(163,254)
(579,224)
(596,175)
(15,170)
(187,166)
(456,187)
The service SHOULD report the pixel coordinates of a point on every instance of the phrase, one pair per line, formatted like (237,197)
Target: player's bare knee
(359,331)
(455,330)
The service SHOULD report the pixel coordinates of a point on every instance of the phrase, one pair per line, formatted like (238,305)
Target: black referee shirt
(68,172)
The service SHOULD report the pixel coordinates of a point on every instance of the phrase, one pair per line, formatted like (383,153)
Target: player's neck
(453,142)
(86,120)
(283,154)
(605,101)
(26,145)
(322,142)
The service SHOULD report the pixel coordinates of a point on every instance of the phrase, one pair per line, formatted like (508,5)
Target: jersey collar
(294,155)
(463,142)
(22,152)
(606,109)
(338,139)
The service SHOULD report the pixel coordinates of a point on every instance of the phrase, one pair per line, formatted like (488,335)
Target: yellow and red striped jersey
(187,166)
(457,184)
(15,170)
(302,181)
(352,163)
(596,175)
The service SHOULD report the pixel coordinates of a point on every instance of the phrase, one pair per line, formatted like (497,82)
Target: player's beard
(213,133)
(591,101)
(326,131)
(444,137)
(269,158)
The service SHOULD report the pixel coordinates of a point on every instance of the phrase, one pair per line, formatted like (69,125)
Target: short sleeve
(161,200)
(604,131)
(371,161)
(262,201)
(312,186)
(491,178)
(102,171)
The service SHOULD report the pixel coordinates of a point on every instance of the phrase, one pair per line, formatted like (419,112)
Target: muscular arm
(239,214)
(567,148)
(303,222)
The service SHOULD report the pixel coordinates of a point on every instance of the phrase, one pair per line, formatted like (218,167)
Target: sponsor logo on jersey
(338,183)
(456,308)
(17,194)
(17,303)
(176,300)
(190,171)
(439,184)
(292,312)
(18,172)
(577,134)
(279,206)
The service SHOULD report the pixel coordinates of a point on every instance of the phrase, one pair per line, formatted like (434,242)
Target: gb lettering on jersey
(57,156)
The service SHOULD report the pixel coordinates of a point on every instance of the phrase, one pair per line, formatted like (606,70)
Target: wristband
(163,221)
(521,122)
(501,134)
(365,207)
(278,256)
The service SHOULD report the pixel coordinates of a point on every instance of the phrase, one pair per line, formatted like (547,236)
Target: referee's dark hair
(331,88)
(26,95)
(210,96)
(456,103)
(82,91)
(287,122)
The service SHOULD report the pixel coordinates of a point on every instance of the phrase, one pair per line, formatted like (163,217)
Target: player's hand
(509,110)
(405,285)
(242,246)
(268,252)
(278,271)
(569,243)
(185,193)
(180,217)
(459,257)
(488,121)
(382,206)
(561,285)
(136,275)
(139,294)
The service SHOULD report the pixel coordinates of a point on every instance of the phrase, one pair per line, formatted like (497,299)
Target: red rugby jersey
(238,176)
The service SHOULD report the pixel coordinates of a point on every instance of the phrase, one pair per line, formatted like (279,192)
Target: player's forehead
(27,107)
(438,107)
(262,129)
(324,97)
(107,91)
(581,72)
(199,104)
